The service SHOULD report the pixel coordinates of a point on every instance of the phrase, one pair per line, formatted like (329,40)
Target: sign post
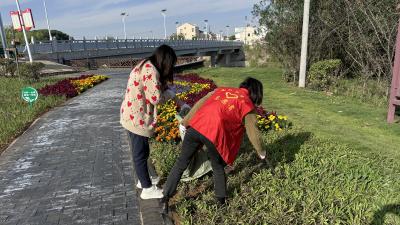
(394,98)
(30,95)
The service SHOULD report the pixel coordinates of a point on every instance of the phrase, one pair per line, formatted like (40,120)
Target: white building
(188,30)
(248,35)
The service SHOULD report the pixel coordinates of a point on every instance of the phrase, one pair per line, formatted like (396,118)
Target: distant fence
(122,62)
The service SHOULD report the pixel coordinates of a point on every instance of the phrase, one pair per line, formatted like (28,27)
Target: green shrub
(164,156)
(7,68)
(31,71)
(323,74)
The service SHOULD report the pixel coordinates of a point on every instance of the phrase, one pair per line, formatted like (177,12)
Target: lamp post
(304,44)
(47,20)
(3,38)
(124,15)
(206,31)
(24,32)
(176,26)
(245,30)
(227,32)
(165,28)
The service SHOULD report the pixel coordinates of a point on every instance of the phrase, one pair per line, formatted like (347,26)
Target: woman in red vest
(218,121)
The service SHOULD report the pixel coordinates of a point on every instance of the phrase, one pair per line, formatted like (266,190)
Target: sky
(99,18)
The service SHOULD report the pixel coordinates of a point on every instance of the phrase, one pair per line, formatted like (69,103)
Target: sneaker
(151,192)
(154,181)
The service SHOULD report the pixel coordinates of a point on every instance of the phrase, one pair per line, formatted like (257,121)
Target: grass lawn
(340,164)
(363,126)
(15,113)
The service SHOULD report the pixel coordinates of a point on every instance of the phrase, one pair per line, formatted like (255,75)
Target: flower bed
(190,88)
(72,87)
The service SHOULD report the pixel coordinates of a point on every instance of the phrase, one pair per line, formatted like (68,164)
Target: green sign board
(29,94)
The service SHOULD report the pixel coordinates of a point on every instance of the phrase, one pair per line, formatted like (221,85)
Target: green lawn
(340,164)
(363,126)
(15,114)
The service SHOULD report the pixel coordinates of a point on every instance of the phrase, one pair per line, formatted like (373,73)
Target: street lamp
(227,32)
(245,30)
(47,20)
(124,15)
(206,31)
(165,28)
(152,34)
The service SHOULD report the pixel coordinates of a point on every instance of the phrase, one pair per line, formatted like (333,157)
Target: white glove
(262,155)
(182,131)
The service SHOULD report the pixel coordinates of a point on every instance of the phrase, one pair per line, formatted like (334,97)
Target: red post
(395,89)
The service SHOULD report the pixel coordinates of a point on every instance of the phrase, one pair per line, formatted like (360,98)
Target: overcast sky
(92,18)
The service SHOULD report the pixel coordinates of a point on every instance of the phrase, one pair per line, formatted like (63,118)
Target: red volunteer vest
(220,120)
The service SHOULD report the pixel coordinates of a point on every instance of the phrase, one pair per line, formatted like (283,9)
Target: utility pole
(304,44)
(47,20)
(24,32)
(3,38)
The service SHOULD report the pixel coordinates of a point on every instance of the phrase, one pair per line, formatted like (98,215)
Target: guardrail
(58,46)
(123,62)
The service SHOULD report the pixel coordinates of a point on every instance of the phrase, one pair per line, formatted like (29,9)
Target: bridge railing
(58,46)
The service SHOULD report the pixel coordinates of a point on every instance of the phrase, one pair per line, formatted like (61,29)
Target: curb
(150,209)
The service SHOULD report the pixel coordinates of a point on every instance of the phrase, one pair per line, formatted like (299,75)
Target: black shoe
(221,201)
(164,205)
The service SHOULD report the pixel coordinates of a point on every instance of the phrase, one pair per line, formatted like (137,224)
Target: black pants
(140,153)
(191,143)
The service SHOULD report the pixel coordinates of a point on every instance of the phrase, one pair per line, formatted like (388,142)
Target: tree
(38,35)
(359,33)
(174,36)
(232,38)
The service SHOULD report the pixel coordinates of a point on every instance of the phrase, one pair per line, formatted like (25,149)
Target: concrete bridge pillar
(213,60)
(231,59)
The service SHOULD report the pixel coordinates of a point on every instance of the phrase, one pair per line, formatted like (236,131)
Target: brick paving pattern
(73,166)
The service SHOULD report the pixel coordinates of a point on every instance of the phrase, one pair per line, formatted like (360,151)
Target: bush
(31,71)
(7,67)
(323,74)
(164,156)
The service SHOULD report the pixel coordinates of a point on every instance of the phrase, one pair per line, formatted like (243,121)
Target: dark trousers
(140,153)
(191,143)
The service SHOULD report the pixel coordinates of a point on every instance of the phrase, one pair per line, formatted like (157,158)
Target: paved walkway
(73,166)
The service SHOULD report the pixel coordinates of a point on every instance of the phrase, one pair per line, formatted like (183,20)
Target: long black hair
(255,88)
(164,59)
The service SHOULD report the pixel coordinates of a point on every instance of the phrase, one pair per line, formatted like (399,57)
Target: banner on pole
(16,20)
(28,19)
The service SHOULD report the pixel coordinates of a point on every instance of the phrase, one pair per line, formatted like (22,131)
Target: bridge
(225,53)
